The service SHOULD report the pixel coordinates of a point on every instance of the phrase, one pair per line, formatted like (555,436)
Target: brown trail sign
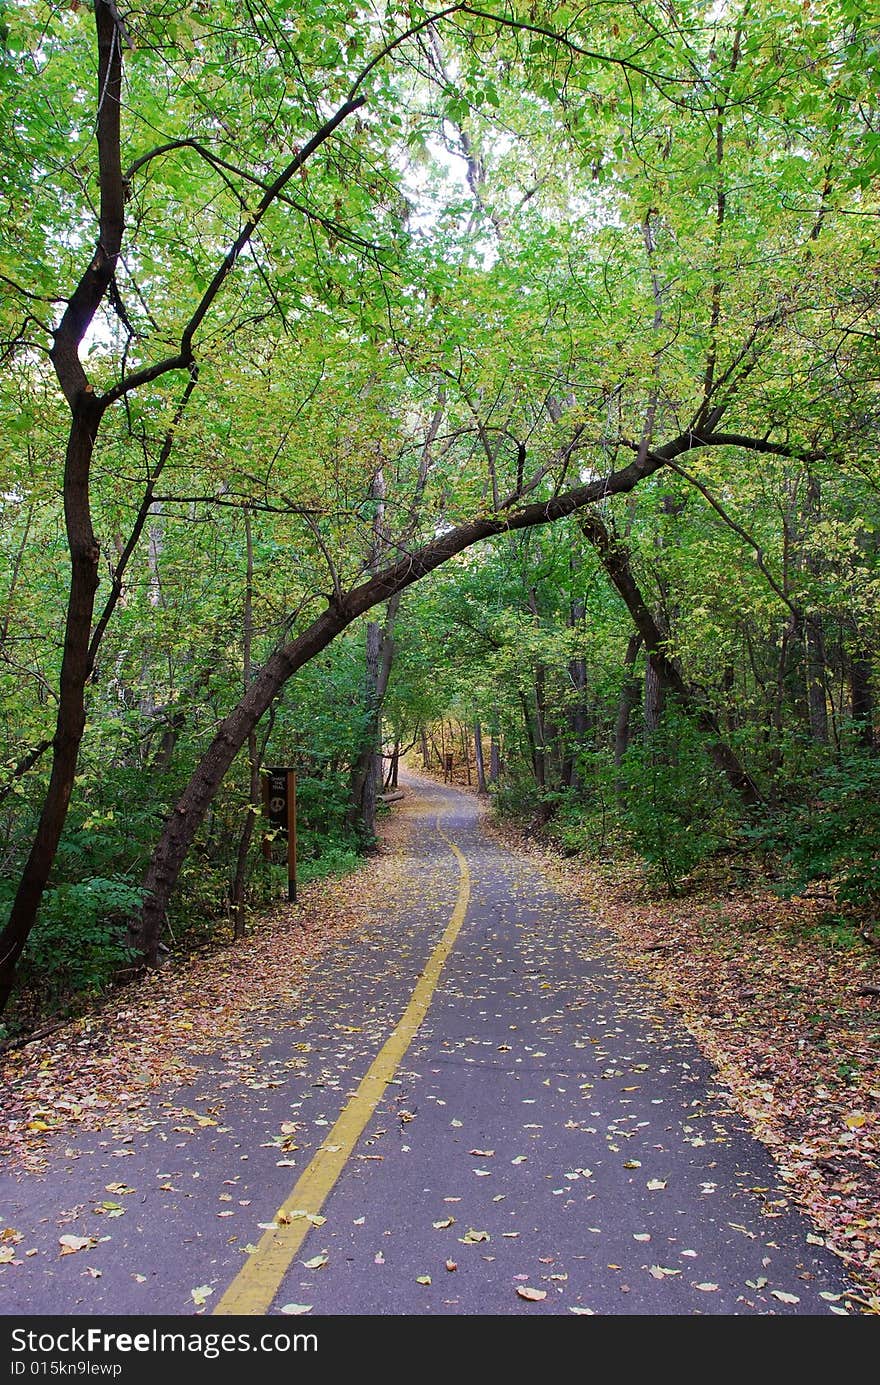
(279,808)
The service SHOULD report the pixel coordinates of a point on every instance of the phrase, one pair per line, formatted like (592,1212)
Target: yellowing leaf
(423,1279)
(533,1295)
(471,1237)
(855,1120)
(70,1244)
(783,1297)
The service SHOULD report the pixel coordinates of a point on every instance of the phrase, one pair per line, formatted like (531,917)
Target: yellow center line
(254,1287)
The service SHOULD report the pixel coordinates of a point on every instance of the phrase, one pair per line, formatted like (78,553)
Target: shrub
(673,807)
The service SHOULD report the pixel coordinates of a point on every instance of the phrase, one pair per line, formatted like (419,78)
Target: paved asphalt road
(550,1128)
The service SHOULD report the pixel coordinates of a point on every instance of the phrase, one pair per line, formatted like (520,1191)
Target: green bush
(673,805)
(834,833)
(78,943)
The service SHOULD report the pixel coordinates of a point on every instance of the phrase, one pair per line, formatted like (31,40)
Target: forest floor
(791,1023)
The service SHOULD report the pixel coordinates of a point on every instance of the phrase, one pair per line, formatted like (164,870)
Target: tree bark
(364,773)
(615,559)
(86,415)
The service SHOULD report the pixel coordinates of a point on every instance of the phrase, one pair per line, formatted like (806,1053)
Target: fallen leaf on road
(441,1225)
(70,1244)
(583,1312)
(316,1262)
(533,1295)
(707,1288)
(655,1184)
(199,1295)
(482,1153)
(451,1265)
(296,1310)
(783,1297)
(471,1237)
(423,1279)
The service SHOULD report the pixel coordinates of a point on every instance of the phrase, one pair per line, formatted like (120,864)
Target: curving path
(489,1112)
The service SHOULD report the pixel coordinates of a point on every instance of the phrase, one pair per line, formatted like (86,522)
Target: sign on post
(279,807)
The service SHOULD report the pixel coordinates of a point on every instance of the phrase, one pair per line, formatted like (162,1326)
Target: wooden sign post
(279,806)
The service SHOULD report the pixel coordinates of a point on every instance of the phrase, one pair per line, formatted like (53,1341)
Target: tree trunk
(364,778)
(86,413)
(862,698)
(817,702)
(465,751)
(494,759)
(629,696)
(615,560)
(654,695)
(478,756)
(71,717)
(578,717)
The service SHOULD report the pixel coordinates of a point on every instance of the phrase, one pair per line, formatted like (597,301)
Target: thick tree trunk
(71,717)
(77,659)
(366,775)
